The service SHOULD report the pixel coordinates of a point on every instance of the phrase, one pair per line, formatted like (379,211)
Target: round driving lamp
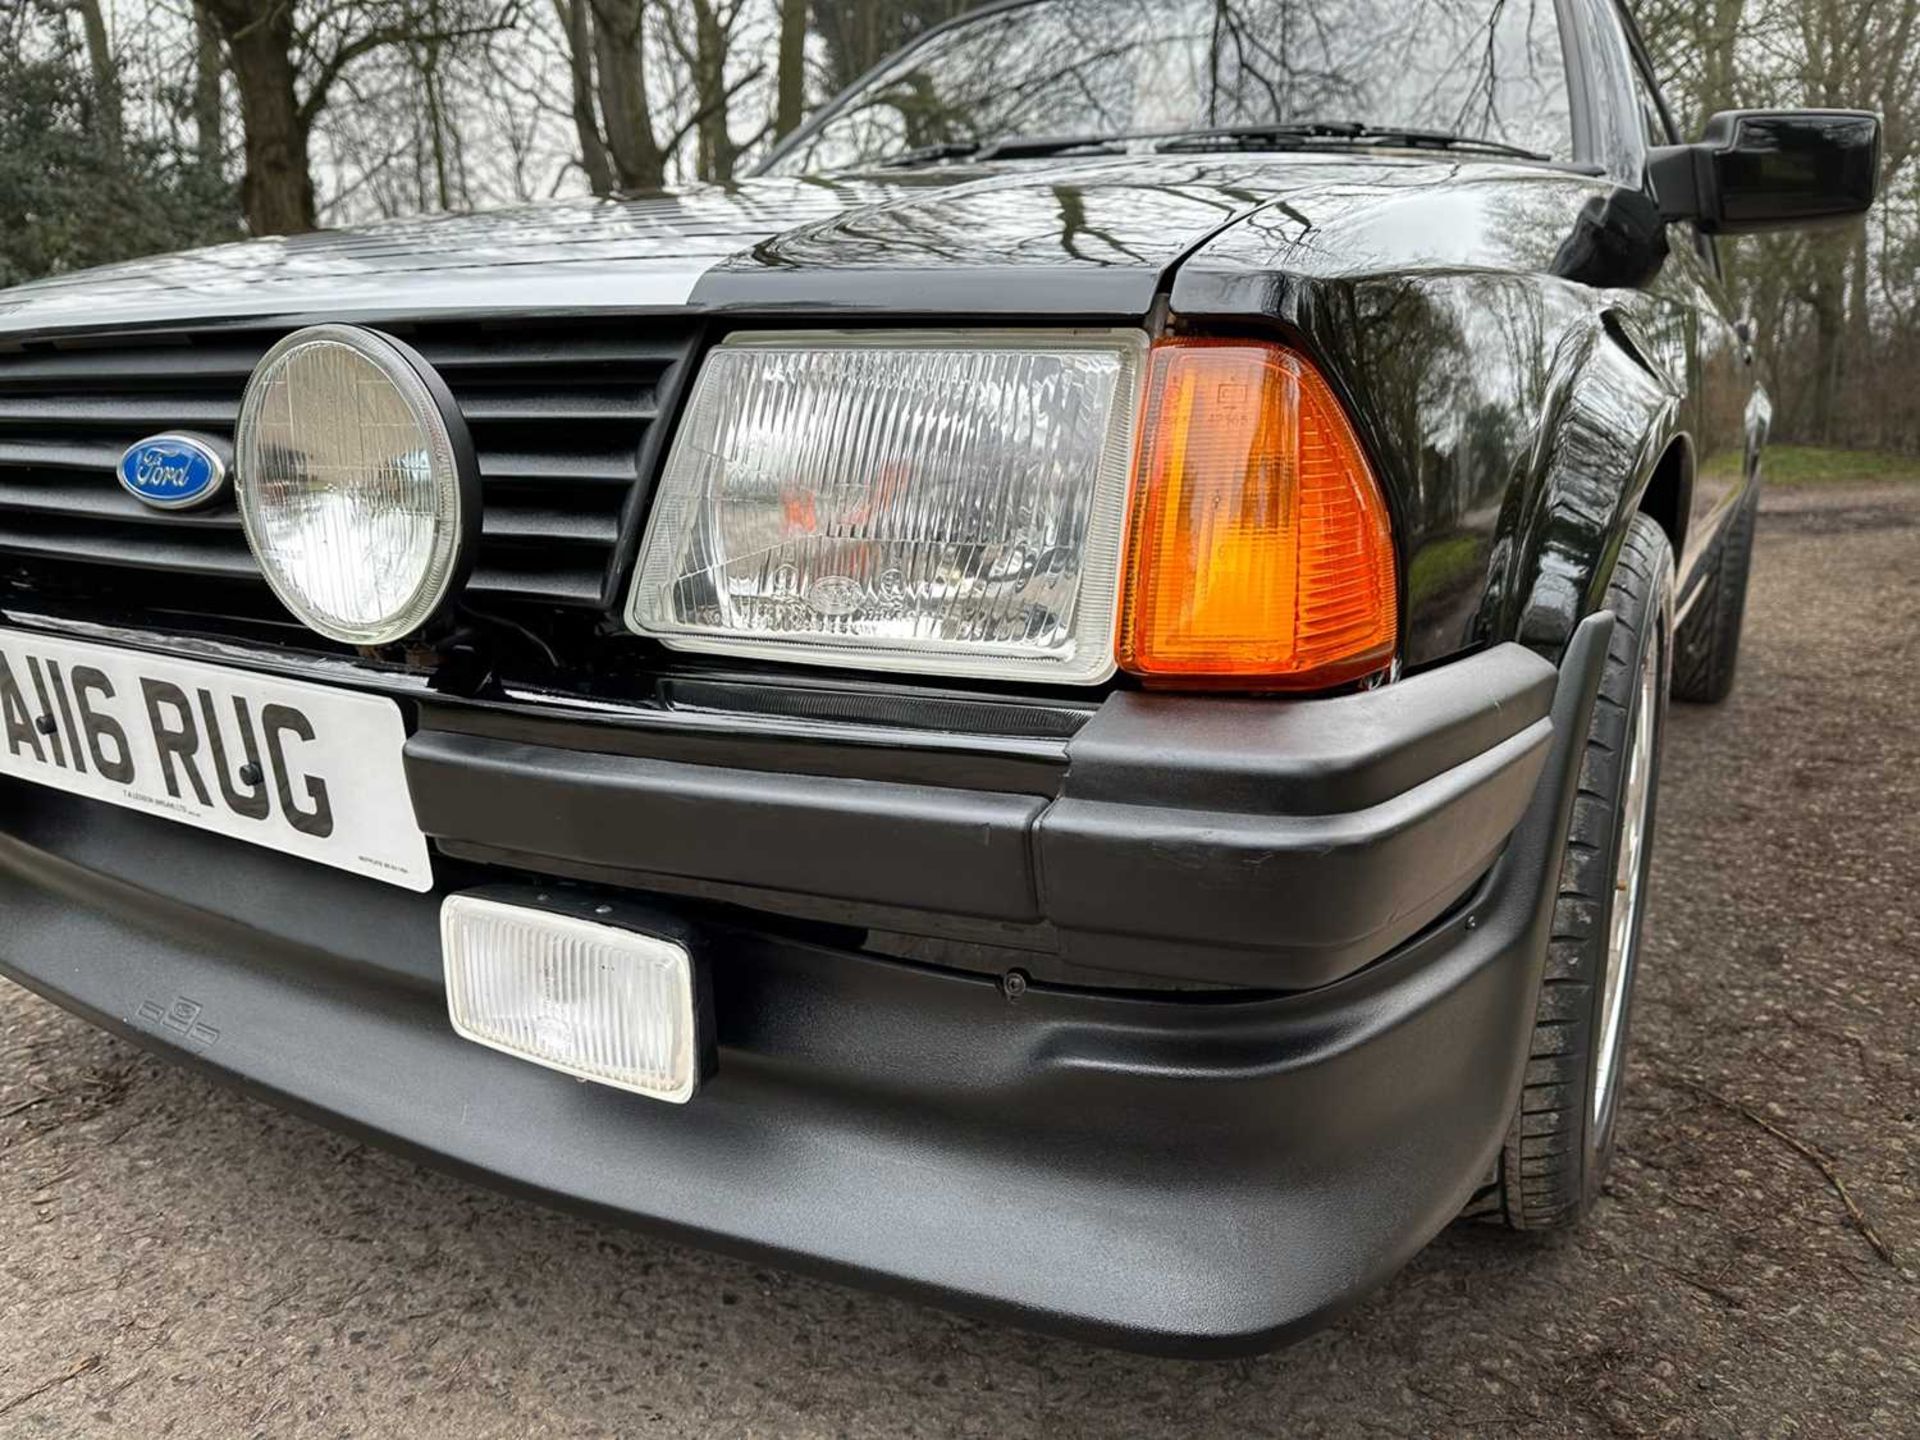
(357,483)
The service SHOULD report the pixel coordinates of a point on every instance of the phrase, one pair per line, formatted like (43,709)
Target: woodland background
(133,126)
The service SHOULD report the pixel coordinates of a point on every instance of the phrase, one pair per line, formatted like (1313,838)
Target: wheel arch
(1612,446)
(1668,496)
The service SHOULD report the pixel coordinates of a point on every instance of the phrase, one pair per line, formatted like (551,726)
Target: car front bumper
(1196,1170)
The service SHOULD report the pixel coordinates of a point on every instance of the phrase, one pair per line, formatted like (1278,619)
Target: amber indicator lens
(1260,552)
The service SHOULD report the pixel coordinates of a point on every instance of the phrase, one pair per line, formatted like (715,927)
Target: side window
(1615,141)
(1652,121)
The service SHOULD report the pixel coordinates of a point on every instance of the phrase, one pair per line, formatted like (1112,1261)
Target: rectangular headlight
(946,503)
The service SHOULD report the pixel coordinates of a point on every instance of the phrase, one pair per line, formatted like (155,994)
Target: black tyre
(1707,646)
(1561,1139)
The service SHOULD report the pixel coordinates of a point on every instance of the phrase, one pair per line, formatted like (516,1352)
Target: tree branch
(717,103)
(382,36)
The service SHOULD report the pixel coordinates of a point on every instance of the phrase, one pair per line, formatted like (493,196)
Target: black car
(1074,671)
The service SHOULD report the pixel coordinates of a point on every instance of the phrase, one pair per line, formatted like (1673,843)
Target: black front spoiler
(1264,844)
(1177,1173)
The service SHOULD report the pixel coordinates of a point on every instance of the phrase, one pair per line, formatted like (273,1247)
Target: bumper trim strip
(910,845)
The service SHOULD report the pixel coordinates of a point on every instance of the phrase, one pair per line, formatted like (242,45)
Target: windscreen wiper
(1011,147)
(1342,132)
(1281,134)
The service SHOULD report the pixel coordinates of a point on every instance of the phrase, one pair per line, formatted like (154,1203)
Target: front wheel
(1560,1141)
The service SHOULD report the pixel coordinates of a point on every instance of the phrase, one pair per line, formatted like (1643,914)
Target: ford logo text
(176,471)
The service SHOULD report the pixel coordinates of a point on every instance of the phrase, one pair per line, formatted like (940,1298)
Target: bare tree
(106,78)
(702,36)
(620,67)
(286,59)
(209,65)
(859,34)
(791,90)
(576,26)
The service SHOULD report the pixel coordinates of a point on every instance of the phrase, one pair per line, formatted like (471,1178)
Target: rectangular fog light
(591,1000)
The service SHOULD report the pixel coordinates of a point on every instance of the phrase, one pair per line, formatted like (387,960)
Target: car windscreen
(1488,70)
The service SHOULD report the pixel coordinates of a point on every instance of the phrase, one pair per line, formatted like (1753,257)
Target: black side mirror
(1770,170)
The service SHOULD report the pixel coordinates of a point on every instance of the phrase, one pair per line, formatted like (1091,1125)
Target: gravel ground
(177,1260)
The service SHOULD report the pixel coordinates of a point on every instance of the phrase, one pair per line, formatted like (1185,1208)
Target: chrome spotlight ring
(342,428)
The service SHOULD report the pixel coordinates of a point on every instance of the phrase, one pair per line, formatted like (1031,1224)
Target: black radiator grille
(560,415)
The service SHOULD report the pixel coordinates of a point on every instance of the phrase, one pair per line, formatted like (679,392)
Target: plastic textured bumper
(1177,1172)
(1261,844)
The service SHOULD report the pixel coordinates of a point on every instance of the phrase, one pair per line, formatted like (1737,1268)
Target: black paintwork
(1758,170)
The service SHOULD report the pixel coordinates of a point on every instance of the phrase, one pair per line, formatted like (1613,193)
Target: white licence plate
(300,768)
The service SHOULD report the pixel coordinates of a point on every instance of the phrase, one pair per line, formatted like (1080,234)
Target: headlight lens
(356,483)
(926,502)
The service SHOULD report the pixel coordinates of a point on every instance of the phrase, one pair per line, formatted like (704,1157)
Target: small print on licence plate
(299,768)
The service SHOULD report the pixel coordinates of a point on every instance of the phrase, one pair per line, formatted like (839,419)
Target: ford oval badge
(176,471)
